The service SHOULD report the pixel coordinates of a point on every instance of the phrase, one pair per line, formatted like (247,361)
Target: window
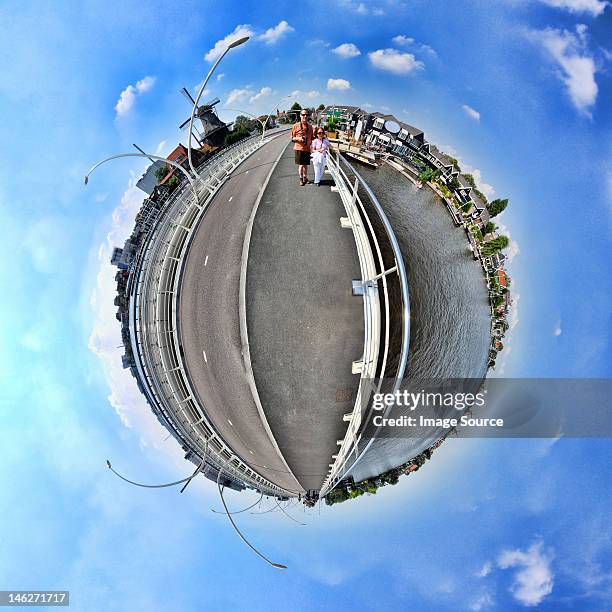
(403,134)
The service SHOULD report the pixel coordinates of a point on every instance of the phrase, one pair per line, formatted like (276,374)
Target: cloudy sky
(519,90)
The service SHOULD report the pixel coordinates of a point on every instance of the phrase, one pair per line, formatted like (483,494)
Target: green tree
(497,206)
(321,107)
(490,247)
(489,227)
(470,179)
(235,135)
(160,173)
(296,106)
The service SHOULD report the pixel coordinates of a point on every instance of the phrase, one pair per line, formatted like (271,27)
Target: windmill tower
(212,130)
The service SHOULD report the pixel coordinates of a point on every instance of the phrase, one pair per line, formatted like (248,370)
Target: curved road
(210,322)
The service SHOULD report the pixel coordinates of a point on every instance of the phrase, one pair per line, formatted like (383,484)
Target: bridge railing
(379,258)
(153,319)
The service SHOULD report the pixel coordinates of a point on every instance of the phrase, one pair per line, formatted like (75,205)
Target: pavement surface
(210,323)
(305,328)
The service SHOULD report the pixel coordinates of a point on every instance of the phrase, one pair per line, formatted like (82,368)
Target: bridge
(264,314)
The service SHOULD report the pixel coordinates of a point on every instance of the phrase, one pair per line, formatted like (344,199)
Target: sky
(519,91)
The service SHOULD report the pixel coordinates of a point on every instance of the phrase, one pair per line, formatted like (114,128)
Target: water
(449,310)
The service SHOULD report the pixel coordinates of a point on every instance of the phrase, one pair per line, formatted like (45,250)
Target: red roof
(502,277)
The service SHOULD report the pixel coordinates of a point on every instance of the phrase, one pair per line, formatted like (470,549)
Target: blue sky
(518,90)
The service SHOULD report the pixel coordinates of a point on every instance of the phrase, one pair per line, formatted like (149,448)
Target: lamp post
(232,45)
(160,486)
(238,110)
(270,114)
(231,520)
(156,157)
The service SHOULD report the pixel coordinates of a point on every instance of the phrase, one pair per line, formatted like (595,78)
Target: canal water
(449,310)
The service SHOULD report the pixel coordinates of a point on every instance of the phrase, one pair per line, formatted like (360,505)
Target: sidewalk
(305,327)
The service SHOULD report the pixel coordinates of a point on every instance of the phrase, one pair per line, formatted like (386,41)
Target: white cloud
(346,50)
(313,93)
(471,112)
(395,61)
(557,329)
(481,602)
(339,84)
(487,189)
(577,66)
(237,94)
(220,76)
(402,41)
(145,84)
(485,570)
(128,96)
(367,105)
(262,93)
(592,7)
(239,32)
(361,8)
(534,579)
(273,35)
(406,41)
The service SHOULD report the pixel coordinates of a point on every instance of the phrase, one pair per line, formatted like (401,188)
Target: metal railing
(370,226)
(153,320)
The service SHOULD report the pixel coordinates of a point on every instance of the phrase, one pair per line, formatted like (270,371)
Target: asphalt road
(305,327)
(210,324)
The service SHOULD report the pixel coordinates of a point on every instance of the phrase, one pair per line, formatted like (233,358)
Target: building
(148,180)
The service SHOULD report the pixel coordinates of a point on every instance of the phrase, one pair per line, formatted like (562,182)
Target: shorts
(302,158)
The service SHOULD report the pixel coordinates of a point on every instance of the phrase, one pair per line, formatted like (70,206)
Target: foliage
(497,206)
(429,175)
(495,245)
(321,107)
(454,183)
(477,233)
(161,173)
(235,135)
(173,181)
(296,106)
(453,161)
(489,227)
(470,179)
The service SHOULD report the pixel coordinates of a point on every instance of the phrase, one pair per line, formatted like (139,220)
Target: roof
(502,277)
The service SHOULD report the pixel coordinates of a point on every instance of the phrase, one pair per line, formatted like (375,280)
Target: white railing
(374,287)
(153,320)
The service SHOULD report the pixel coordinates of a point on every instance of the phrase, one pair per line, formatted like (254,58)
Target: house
(345,116)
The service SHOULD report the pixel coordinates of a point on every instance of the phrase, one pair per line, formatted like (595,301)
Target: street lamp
(231,520)
(243,510)
(269,115)
(232,45)
(156,157)
(160,486)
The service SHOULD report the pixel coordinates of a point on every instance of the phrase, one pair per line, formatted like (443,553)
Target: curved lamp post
(160,486)
(243,510)
(231,520)
(270,113)
(232,45)
(156,157)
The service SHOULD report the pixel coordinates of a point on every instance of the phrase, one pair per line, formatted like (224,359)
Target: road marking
(206,260)
(247,172)
(230,422)
(231,198)
(205,358)
(250,451)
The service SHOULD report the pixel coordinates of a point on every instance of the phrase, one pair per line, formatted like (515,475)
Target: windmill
(213,130)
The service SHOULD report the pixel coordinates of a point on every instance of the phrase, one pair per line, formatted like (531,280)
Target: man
(301,135)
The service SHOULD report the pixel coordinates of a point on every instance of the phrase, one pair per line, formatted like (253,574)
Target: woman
(319,148)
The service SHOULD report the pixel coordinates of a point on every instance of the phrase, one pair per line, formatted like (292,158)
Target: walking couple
(309,142)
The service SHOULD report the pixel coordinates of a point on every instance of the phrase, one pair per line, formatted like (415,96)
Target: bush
(235,136)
